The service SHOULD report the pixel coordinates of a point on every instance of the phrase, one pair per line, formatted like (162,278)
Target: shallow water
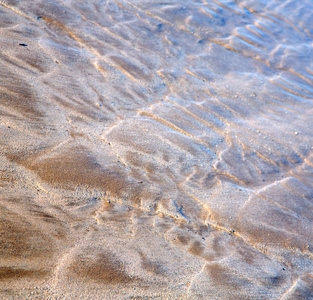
(156,149)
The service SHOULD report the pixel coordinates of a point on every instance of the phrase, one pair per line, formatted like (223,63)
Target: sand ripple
(156,150)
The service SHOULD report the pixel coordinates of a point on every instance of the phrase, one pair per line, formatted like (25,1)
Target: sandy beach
(156,150)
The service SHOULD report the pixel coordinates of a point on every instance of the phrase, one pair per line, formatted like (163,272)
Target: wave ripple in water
(155,149)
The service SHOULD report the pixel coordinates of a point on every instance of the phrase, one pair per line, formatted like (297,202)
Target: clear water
(156,149)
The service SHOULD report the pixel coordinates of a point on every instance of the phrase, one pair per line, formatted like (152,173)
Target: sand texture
(156,150)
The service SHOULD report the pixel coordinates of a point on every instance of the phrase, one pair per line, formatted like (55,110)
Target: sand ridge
(156,150)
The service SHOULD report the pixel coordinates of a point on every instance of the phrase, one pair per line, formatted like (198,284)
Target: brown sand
(156,150)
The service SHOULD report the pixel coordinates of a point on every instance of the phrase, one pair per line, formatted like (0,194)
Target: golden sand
(156,150)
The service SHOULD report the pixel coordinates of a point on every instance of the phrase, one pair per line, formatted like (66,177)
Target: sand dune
(156,150)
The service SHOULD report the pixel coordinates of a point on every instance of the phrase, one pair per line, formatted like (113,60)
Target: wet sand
(156,150)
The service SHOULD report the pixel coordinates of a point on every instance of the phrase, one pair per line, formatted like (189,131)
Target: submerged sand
(156,150)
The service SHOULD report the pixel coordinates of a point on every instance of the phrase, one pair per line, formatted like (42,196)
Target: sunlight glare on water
(156,149)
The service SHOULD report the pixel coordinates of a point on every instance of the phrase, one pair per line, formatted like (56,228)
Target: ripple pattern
(156,149)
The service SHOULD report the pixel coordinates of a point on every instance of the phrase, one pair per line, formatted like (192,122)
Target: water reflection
(156,148)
